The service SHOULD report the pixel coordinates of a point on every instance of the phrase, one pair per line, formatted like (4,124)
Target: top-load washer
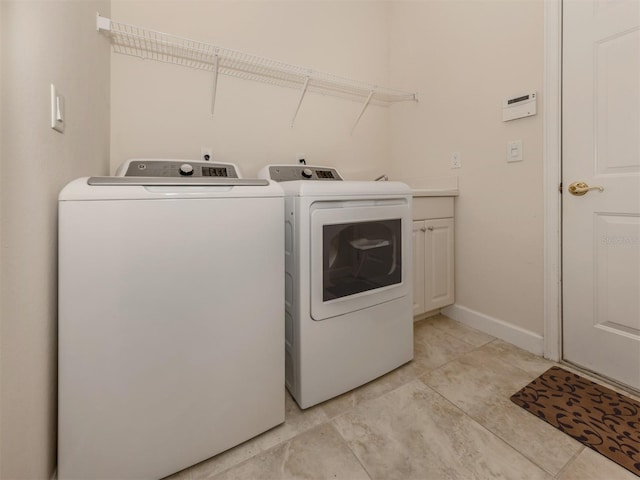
(348,287)
(170,317)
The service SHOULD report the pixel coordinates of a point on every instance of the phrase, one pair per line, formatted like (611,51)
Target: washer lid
(178,181)
(132,188)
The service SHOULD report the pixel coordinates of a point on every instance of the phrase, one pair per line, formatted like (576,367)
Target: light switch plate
(514,151)
(57,110)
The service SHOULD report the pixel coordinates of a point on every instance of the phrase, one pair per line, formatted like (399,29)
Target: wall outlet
(300,158)
(206,154)
(456,160)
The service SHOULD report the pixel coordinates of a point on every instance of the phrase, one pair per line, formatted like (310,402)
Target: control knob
(186,169)
(307,173)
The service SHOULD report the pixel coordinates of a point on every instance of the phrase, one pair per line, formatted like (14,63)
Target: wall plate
(514,151)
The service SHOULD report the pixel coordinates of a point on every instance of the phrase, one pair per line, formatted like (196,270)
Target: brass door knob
(580,188)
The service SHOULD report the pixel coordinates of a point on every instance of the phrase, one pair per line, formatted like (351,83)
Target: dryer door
(359,255)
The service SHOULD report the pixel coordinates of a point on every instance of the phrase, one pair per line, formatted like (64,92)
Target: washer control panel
(178,168)
(287,173)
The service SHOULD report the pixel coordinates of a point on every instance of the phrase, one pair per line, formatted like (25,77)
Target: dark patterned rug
(600,418)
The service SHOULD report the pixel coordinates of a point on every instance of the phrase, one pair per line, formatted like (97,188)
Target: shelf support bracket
(214,86)
(302,94)
(364,107)
(102,23)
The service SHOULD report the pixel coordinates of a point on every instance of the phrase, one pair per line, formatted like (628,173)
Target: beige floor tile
(183,475)
(517,357)
(320,453)
(414,433)
(590,465)
(460,331)
(433,346)
(296,422)
(480,383)
(374,389)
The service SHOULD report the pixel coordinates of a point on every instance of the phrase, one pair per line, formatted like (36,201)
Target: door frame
(552,172)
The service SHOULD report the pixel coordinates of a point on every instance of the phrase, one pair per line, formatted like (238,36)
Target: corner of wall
(42,43)
(520,337)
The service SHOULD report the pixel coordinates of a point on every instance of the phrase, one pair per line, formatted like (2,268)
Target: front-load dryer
(348,281)
(171,339)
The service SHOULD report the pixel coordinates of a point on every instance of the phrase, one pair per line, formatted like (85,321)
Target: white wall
(465,57)
(42,42)
(162,110)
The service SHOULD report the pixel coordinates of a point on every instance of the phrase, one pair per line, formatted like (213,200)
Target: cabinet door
(438,274)
(419,230)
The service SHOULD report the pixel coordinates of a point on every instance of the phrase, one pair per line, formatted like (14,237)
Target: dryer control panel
(176,168)
(286,173)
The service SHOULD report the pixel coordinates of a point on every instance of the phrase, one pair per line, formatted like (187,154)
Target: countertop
(435,192)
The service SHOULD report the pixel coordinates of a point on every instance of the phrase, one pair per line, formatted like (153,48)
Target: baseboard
(424,315)
(525,339)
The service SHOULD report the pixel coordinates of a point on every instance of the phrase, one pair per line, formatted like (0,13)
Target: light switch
(514,151)
(57,110)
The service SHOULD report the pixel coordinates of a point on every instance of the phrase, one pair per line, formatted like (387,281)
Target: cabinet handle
(422,229)
(430,229)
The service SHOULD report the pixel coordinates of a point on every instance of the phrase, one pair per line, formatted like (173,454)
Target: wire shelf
(148,44)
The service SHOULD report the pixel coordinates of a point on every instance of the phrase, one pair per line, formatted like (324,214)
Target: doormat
(600,418)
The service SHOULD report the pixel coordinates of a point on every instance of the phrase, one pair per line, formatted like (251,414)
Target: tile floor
(445,415)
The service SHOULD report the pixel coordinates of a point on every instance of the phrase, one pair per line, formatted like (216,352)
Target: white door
(601,148)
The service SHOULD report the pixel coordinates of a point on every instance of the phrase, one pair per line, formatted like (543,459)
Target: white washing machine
(170,318)
(348,282)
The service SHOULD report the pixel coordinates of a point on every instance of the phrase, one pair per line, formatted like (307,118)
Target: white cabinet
(433,282)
